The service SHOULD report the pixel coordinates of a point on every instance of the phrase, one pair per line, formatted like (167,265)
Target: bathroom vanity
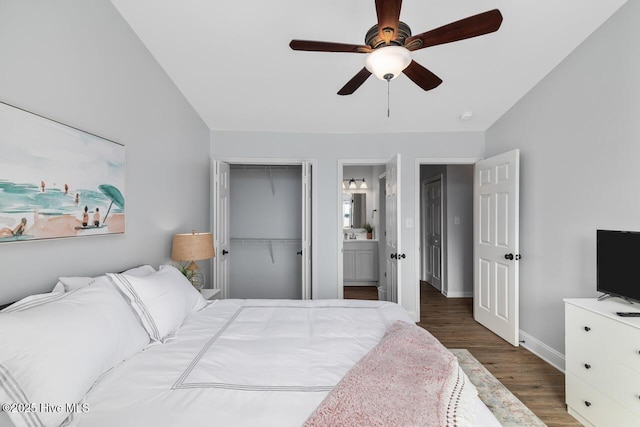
(360,262)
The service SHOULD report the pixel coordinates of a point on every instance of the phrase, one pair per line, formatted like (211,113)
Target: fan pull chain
(388,78)
(388,95)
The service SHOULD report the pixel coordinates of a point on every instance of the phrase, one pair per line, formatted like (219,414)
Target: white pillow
(59,287)
(162,300)
(141,271)
(54,352)
(74,283)
(71,283)
(33,301)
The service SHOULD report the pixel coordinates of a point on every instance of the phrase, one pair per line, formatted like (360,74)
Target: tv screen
(618,263)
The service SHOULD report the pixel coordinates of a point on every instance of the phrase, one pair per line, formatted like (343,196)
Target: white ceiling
(232,60)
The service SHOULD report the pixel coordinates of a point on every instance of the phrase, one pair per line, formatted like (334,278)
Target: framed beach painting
(57,181)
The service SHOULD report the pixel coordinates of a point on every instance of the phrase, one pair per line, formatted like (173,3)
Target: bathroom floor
(361,292)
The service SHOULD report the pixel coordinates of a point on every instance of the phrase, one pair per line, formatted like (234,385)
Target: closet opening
(262,230)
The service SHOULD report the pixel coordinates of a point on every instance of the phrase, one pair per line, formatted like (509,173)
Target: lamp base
(197,280)
(193,274)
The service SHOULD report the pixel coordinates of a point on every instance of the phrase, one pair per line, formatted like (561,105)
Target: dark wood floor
(536,383)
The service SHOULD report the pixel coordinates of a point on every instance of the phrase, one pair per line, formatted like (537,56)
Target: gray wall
(579,135)
(79,63)
(459,194)
(327,149)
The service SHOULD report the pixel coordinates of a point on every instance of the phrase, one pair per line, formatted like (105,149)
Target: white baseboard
(543,351)
(459,294)
(414,316)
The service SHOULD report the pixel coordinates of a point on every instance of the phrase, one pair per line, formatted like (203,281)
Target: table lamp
(189,248)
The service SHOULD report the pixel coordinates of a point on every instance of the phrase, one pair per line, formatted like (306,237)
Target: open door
(393,231)
(496,245)
(221,226)
(306,231)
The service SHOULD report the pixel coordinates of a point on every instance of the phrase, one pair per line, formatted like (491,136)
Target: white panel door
(432,234)
(221,226)
(496,244)
(306,230)
(392,239)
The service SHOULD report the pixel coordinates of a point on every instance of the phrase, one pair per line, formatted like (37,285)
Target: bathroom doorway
(364,243)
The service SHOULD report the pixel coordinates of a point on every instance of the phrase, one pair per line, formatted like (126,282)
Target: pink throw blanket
(408,379)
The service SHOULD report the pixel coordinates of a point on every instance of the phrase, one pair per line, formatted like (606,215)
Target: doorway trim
(339,232)
(416,186)
(314,203)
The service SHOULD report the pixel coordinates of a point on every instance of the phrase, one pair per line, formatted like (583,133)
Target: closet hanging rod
(268,243)
(264,240)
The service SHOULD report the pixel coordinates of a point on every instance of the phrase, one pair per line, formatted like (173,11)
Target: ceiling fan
(389,43)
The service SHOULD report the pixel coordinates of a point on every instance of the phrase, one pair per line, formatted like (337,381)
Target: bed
(143,348)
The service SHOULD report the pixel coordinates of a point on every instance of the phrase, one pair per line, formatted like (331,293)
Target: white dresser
(602,362)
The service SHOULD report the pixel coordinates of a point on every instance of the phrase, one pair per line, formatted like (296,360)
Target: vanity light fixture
(352,184)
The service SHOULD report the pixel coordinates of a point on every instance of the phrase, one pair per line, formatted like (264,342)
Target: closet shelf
(268,242)
(269,169)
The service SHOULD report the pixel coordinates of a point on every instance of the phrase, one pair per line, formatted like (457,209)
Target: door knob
(508,256)
(394,256)
(224,252)
(299,252)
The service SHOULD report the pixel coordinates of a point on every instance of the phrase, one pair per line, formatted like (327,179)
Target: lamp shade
(388,62)
(192,247)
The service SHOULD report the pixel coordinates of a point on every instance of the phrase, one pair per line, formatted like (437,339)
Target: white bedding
(243,363)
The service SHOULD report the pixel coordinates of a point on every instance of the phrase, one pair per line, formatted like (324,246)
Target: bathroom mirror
(354,210)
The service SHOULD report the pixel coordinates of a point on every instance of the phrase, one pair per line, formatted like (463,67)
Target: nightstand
(210,294)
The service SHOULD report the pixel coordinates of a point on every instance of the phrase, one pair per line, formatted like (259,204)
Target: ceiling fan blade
(316,46)
(353,84)
(388,12)
(421,76)
(472,26)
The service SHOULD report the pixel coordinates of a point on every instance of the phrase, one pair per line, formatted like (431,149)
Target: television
(618,263)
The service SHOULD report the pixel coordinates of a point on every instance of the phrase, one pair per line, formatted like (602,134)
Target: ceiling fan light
(388,61)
